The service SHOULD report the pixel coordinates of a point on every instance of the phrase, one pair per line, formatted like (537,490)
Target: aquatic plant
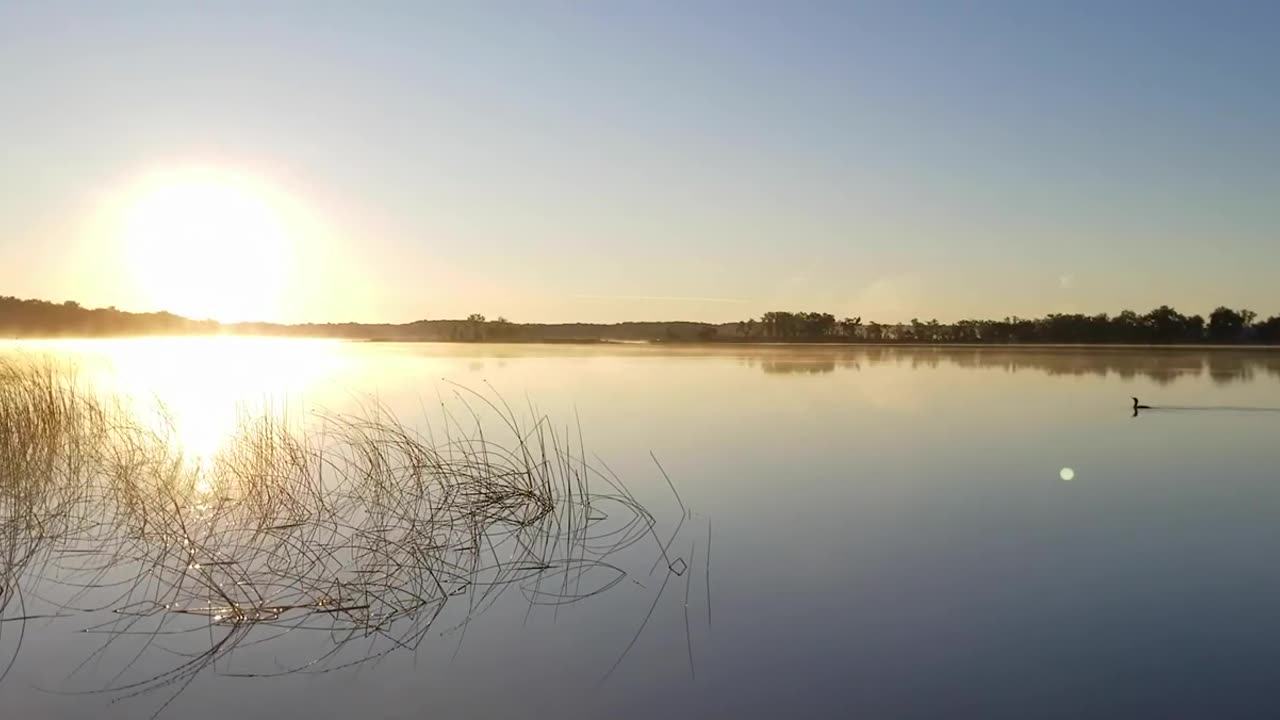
(350,526)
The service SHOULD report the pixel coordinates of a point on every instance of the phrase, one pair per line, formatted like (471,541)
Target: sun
(207,244)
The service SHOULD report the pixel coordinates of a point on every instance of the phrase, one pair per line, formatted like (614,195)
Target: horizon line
(1011,317)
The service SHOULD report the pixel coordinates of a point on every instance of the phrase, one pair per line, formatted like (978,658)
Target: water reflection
(195,390)
(792,366)
(297,550)
(1164,366)
(867,502)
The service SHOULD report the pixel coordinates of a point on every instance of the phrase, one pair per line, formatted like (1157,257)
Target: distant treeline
(40,318)
(1164,325)
(43,319)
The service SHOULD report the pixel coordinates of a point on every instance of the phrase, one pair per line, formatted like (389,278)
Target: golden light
(196,391)
(207,244)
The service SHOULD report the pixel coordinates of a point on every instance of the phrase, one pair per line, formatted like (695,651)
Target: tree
(849,327)
(780,325)
(816,325)
(475,324)
(1227,325)
(1128,327)
(916,334)
(769,324)
(1268,331)
(1168,325)
(501,328)
(967,331)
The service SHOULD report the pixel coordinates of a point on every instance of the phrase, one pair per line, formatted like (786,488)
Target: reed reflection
(351,529)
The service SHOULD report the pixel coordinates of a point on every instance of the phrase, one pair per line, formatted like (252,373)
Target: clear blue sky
(654,160)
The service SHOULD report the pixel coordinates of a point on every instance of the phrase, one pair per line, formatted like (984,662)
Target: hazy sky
(656,160)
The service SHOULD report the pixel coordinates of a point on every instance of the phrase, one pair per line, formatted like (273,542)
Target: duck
(1137,407)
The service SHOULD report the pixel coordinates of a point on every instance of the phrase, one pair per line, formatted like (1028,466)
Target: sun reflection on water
(195,391)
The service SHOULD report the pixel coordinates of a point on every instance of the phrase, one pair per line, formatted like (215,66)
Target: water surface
(890,532)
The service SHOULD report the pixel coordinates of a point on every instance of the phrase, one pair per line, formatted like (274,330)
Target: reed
(350,526)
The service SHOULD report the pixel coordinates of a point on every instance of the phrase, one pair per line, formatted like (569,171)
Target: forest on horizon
(20,318)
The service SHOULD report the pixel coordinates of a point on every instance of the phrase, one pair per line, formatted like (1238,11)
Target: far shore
(844,345)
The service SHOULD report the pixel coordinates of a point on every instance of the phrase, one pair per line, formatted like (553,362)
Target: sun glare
(195,391)
(207,245)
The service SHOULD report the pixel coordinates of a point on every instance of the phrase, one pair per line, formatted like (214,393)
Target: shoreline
(676,343)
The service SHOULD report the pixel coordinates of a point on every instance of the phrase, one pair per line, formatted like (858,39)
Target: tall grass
(352,526)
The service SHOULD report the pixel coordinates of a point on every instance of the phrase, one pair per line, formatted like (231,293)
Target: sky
(609,161)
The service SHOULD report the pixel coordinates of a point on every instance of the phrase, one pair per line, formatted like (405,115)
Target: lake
(872,532)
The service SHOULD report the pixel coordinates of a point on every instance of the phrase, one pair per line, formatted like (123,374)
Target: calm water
(890,534)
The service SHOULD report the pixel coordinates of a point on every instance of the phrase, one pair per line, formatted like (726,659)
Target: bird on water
(1137,407)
